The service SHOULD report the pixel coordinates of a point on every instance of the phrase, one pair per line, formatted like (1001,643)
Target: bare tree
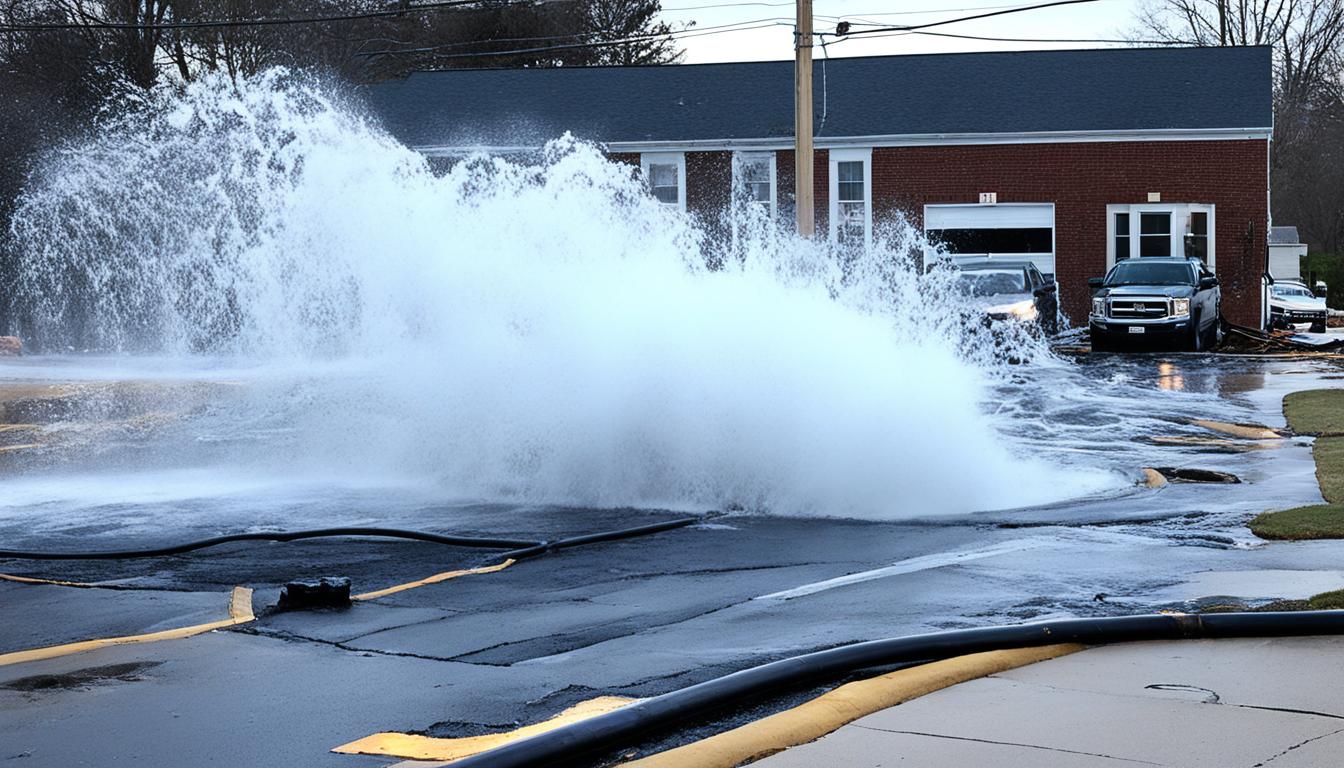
(1306,35)
(545,33)
(492,33)
(126,33)
(626,19)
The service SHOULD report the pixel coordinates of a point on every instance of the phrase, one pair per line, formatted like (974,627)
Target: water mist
(539,331)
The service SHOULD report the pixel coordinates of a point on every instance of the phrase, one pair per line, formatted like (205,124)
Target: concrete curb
(240,612)
(849,702)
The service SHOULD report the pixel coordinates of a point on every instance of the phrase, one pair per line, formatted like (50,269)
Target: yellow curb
(1153,479)
(831,710)
(240,612)
(435,579)
(21,447)
(447,750)
(1192,441)
(56,582)
(1243,431)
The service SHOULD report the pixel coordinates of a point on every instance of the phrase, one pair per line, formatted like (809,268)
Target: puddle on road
(82,678)
(1252,585)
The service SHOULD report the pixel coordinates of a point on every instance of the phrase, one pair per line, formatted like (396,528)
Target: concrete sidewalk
(1218,703)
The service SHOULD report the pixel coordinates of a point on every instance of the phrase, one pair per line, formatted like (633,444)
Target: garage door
(1010,230)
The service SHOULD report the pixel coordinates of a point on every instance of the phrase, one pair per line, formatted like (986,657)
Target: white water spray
(543,332)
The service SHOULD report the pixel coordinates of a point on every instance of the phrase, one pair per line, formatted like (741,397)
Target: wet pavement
(636,617)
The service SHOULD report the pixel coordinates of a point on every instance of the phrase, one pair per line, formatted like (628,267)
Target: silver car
(1292,304)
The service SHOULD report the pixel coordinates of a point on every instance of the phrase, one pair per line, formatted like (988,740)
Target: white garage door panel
(988,216)
(1004,216)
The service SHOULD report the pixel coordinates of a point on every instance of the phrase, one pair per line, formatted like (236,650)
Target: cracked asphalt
(636,617)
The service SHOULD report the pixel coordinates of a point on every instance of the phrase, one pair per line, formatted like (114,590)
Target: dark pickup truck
(1156,300)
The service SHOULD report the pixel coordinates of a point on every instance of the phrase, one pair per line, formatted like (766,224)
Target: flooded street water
(631,618)
(141,449)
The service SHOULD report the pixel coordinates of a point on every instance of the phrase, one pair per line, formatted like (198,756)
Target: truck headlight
(1180,307)
(1098,307)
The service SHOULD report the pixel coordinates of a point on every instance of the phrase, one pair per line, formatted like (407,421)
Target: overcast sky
(1100,19)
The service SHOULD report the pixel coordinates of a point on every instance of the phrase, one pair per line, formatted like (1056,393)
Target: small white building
(1286,250)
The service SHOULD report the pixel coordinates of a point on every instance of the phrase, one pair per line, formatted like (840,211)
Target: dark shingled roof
(1021,91)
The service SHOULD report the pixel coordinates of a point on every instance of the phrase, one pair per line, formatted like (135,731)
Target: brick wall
(709,179)
(1081,179)
(709,187)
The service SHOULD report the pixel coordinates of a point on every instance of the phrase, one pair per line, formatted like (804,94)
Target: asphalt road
(633,618)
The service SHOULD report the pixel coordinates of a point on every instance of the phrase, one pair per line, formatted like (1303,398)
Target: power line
(791,3)
(677,35)
(1048,39)
(604,43)
(444,4)
(988,38)
(862,19)
(728,5)
(220,23)
(914,27)
(466,43)
(876,31)
(943,10)
(434,6)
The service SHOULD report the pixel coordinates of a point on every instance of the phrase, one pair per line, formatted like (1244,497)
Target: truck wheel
(1196,341)
(1318,327)
(1212,337)
(1100,343)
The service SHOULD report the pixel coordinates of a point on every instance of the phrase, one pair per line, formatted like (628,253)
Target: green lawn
(1318,412)
(1326,601)
(1315,412)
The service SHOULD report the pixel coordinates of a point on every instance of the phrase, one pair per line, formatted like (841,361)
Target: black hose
(626,725)
(595,538)
(177,549)
(519,548)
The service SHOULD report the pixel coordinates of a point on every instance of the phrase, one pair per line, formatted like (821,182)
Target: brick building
(1073,159)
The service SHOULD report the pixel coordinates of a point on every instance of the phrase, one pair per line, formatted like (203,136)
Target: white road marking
(921,563)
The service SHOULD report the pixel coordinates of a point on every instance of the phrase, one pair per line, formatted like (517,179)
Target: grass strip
(1316,412)
(1326,601)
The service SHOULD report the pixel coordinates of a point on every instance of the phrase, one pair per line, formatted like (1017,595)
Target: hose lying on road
(596,538)
(518,548)
(625,726)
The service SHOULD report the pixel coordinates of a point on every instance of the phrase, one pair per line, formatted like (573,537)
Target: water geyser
(538,331)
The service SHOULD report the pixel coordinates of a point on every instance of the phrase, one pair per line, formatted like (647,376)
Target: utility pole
(802,119)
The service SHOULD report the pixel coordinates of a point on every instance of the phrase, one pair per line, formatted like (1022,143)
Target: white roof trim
(894,140)
(448,150)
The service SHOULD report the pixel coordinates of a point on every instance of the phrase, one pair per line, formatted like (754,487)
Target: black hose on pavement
(518,548)
(625,726)
(596,538)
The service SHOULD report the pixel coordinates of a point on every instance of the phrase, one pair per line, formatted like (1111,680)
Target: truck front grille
(1139,309)
(1298,315)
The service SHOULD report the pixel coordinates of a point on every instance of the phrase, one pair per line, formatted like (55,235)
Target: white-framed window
(754,179)
(665,173)
(851,193)
(1160,229)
